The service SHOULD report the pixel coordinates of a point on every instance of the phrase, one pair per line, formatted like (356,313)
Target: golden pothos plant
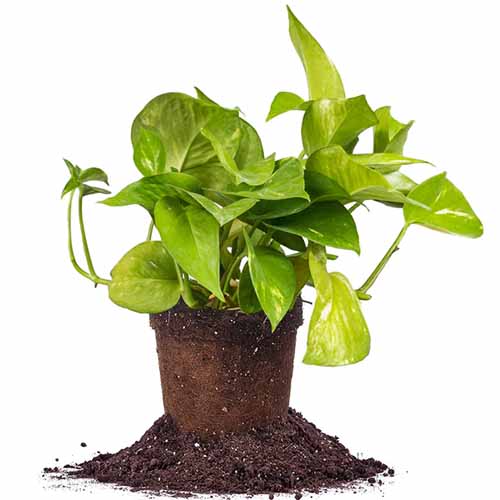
(239,229)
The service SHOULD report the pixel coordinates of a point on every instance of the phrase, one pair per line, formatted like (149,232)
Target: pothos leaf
(284,102)
(448,209)
(287,182)
(149,152)
(336,121)
(247,298)
(149,190)
(389,135)
(253,174)
(273,278)
(191,236)
(362,183)
(225,214)
(386,163)
(328,223)
(338,333)
(145,280)
(323,78)
(177,120)
(321,120)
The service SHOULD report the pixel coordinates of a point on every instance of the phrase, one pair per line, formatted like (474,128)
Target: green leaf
(253,174)
(88,190)
(178,120)
(250,149)
(323,78)
(247,298)
(338,333)
(203,97)
(358,117)
(400,182)
(273,278)
(147,191)
(389,135)
(93,174)
(321,120)
(328,223)
(191,236)
(271,209)
(362,183)
(144,280)
(300,264)
(336,121)
(223,215)
(284,102)
(74,170)
(448,211)
(71,185)
(79,176)
(149,152)
(386,163)
(289,240)
(323,188)
(287,182)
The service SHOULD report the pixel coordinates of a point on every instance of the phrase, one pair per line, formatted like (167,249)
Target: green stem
(150,230)
(72,257)
(226,279)
(374,275)
(302,155)
(84,236)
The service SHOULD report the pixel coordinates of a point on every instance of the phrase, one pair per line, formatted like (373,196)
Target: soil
(225,371)
(291,456)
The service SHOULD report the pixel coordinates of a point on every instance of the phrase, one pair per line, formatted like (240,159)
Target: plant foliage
(239,229)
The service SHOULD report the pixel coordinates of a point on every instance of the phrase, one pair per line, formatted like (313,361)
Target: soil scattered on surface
(292,456)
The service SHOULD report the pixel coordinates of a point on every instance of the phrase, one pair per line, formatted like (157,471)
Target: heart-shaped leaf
(144,280)
(177,120)
(338,333)
(448,210)
(191,236)
(273,278)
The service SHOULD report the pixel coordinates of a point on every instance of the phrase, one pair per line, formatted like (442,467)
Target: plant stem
(226,279)
(84,236)
(374,275)
(72,257)
(150,230)
(96,279)
(302,155)
(353,207)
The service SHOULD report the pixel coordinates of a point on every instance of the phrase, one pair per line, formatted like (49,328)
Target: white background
(76,368)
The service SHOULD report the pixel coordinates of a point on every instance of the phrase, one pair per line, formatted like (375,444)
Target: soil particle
(287,457)
(83,445)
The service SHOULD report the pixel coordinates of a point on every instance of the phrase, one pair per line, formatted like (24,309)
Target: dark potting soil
(292,456)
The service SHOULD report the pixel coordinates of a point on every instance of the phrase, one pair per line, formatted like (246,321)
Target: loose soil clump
(291,456)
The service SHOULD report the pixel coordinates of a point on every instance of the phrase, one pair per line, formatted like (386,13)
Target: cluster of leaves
(243,230)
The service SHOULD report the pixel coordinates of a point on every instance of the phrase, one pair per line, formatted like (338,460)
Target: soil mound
(292,456)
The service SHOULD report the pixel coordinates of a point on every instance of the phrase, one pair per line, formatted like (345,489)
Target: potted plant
(241,233)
